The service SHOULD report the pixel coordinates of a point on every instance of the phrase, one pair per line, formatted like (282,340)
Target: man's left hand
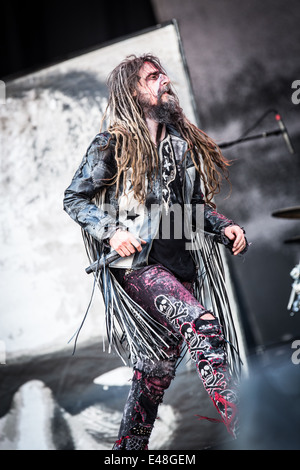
(234,232)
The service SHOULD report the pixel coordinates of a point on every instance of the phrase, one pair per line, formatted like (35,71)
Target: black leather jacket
(91,201)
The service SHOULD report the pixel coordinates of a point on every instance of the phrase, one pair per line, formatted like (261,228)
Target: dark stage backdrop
(36,34)
(49,398)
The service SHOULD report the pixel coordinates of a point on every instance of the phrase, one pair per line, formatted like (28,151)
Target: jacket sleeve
(93,175)
(213,222)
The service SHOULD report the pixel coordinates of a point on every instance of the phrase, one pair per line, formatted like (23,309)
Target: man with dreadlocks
(144,192)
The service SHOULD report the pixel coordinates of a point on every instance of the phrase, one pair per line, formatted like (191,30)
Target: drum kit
(294,301)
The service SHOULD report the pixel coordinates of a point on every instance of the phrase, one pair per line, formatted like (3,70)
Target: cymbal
(288,213)
(293,240)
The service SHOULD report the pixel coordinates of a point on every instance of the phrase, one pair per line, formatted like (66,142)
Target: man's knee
(207,316)
(156,376)
(157,385)
(207,322)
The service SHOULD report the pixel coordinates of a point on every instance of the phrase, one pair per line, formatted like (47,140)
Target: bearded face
(155,96)
(165,111)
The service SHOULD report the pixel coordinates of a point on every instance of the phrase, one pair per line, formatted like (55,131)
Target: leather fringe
(134,334)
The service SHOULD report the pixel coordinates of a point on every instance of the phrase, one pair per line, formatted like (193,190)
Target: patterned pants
(171,303)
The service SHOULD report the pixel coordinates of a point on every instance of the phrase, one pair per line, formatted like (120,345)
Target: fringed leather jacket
(91,201)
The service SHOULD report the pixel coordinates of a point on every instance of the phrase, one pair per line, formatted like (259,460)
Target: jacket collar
(172,130)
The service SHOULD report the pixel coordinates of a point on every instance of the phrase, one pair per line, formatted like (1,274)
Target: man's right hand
(125,244)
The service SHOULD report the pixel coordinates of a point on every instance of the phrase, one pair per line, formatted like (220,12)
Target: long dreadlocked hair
(134,147)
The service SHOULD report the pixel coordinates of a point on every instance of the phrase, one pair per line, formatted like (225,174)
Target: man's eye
(153,76)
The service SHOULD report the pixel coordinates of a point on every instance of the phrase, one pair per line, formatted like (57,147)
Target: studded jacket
(91,200)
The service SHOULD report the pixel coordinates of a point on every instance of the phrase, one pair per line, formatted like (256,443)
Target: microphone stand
(281,131)
(244,139)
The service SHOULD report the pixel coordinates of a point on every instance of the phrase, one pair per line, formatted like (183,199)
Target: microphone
(103,261)
(284,133)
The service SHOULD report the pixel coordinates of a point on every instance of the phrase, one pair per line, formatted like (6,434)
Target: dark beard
(164,112)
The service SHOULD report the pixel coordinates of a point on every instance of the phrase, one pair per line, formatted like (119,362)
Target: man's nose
(164,79)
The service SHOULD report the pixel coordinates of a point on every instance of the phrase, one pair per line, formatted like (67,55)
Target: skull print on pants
(171,303)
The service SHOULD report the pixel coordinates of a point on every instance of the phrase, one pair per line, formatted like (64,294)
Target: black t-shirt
(169,247)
